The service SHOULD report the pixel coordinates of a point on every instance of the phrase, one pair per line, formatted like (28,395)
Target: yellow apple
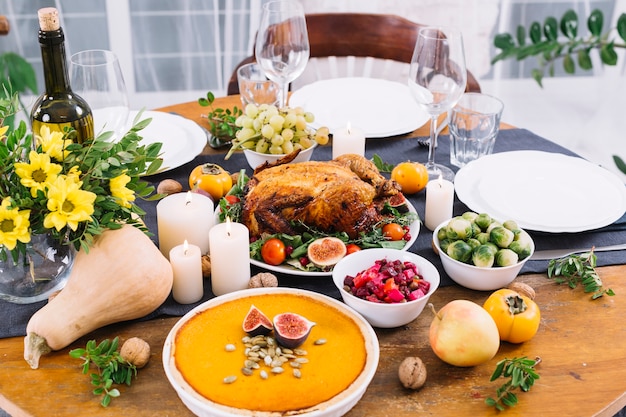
(464,334)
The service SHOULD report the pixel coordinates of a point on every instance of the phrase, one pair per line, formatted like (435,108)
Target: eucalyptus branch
(520,373)
(579,269)
(571,48)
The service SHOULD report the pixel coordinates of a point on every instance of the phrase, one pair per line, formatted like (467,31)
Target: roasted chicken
(346,194)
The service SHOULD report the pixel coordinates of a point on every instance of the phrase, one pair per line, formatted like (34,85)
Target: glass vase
(43,270)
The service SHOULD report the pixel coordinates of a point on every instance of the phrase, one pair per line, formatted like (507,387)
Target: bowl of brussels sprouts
(481,253)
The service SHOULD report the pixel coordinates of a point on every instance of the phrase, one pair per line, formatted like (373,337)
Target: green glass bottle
(58,107)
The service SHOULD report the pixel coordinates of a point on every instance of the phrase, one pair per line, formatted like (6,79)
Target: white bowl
(385,315)
(336,406)
(255,158)
(474,277)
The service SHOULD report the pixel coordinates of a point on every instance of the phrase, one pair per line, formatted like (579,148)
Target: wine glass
(282,43)
(437,79)
(96,76)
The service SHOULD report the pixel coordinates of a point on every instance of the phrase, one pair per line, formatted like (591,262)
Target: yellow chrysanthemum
(74,175)
(68,204)
(39,173)
(52,143)
(119,191)
(3,130)
(14,225)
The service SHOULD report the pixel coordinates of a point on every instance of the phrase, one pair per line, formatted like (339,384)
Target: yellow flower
(3,131)
(68,204)
(39,173)
(120,192)
(14,225)
(52,143)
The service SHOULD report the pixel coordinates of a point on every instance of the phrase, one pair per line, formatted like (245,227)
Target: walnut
(136,351)
(234,177)
(206,266)
(263,279)
(522,289)
(169,186)
(412,373)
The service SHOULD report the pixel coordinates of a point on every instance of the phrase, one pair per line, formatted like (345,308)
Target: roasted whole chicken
(346,194)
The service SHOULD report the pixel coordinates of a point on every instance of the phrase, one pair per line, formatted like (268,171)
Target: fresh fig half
(291,329)
(326,251)
(256,323)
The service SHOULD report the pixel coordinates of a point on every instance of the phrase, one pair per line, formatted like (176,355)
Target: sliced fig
(326,251)
(256,323)
(291,329)
(399,202)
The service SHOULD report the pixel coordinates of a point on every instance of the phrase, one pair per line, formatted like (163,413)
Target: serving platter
(542,191)
(414,230)
(182,138)
(380,108)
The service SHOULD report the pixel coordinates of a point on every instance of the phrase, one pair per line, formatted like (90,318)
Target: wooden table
(582,344)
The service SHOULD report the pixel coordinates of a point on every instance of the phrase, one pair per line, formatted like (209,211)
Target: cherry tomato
(273,251)
(517,316)
(393,231)
(211,178)
(232,199)
(351,248)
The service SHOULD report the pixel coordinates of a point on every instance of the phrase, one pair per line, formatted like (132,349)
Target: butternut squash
(122,277)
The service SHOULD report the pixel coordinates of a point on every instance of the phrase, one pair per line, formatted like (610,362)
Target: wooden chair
(356,44)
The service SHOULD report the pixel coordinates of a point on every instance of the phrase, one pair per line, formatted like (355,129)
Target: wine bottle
(58,108)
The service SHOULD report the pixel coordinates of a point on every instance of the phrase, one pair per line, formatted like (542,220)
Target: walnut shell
(206,266)
(136,351)
(412,373)
(263,279)
(523,289)
(169,186)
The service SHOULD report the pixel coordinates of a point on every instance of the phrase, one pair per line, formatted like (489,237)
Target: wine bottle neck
(54,63)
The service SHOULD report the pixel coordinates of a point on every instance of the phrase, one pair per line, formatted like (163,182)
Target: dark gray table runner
(392,150)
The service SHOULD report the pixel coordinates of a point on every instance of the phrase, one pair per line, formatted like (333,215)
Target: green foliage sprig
(111,368)
(521,375)
(18,75)
(221,121)
(543,41)
(578,269)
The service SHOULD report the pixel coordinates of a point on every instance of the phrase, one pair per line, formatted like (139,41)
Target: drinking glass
(282,43)
(96,76)
(437,78)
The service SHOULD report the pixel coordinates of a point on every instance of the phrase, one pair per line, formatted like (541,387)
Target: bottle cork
(48,19)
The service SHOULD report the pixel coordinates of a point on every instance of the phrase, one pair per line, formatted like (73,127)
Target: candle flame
(189,198)
(348,126)
(185,247)
(228,226)
(440,181)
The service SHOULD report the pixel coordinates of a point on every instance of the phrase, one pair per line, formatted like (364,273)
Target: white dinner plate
(542,191)
(414,230)
(380,108)
(182,139)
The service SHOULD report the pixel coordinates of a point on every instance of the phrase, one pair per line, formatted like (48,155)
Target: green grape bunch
(269,130)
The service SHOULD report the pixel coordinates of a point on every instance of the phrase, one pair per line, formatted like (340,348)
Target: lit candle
(348,140)
(230,257)
(439,202)
(187,267)
(183,216)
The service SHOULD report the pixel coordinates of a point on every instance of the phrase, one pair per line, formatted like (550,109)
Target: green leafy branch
(111,367)
(521,375)
(573,49)
(221,121)
(578,269)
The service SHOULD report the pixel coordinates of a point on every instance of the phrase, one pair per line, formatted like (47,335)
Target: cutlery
(561,253)
(424,142)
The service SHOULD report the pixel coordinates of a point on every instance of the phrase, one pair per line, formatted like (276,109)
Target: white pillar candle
(183,216)
(439,202)
(348,140)
(230,257)
(187,267)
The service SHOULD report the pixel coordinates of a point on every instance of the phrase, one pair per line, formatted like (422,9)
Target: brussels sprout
(483,256)
(460,251)
(483,237)
(510,224)
(506,257)
(476,229)
(483,220)
(469,215)
(459,228)
(501,236)
(493,224)
(441,233)
(474,243)
(523,236)
(522,248)
(493,247)
(443,244)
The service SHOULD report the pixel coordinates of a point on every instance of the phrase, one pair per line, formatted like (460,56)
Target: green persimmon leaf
(621,26)
(621,165)
(550,28)
(19,72)
(584,59)
(569,24)
(537,76)
(568,64)
(535,32)
(521,35)
(608,54)
(503,41)
(595,22)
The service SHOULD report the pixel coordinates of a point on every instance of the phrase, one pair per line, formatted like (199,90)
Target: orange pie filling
(204,355)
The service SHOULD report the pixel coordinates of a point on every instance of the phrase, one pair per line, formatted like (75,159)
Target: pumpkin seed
(301,360)
(263,374)
(297,373)
(247,371)
(230,347)
(230,379)
(300,352)
(319,342)
(268,360)
(295,364)
(278,370)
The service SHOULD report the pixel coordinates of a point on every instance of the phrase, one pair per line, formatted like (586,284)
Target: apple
(463,334)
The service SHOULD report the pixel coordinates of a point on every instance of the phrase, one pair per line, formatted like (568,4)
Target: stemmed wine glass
(96,76)
(437,79)
(282,43)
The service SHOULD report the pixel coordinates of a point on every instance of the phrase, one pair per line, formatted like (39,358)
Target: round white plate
(414,230)
(380,108)
(182,139)
(542,191)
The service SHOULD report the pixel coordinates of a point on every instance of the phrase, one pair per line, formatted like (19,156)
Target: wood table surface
(582,344)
